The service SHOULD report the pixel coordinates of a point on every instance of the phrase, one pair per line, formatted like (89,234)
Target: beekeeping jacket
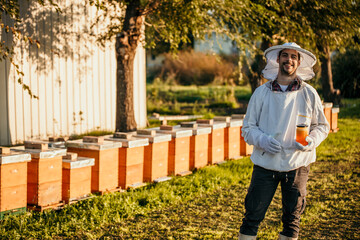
(276,114)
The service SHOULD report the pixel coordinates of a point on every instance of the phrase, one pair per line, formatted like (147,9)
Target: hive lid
(192,125)
(36,144)
(205,121)
(196,128)
(238,116)
(335,110)
(38,153)
(212,124)
(14,157)
(93,139)
(176,132)
(235,123)
(93,145)
(158,137)
(78,163)
(147,132)
(328,104)
(222,119)
(70,156)
(128,142)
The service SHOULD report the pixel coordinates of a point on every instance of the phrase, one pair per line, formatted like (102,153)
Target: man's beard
(285,72)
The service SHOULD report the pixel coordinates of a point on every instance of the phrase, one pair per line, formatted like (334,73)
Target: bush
(346,73)
(196,68)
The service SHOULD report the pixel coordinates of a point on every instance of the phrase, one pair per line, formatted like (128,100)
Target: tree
(170,21)
(321,26)
(334,25)
(346,72)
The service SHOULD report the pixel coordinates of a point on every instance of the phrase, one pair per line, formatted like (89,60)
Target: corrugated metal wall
(71,74)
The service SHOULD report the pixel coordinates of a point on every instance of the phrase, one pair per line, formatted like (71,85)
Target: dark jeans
(261,191)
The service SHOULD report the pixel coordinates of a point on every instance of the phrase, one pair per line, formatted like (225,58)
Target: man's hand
(269,144)
(307,148)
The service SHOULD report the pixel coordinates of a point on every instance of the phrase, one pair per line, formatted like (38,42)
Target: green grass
(193,100)
(209,203)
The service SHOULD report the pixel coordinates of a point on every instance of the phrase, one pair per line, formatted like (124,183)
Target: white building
(71,74)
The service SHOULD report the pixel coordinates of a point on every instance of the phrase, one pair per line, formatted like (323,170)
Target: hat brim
(304,71)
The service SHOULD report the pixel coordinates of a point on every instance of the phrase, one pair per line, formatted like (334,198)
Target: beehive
(232,139)
(199,142)
(179,149)
(13,181)
(327,111)
(76,178)
(131,159)
(105,172)
(216,144)
(334,119)
(156,155)
(245,149)
(44,174)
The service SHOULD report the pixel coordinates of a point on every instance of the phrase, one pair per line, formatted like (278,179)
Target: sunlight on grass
(209,203)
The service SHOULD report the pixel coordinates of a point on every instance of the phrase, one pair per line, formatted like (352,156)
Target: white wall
(71,74)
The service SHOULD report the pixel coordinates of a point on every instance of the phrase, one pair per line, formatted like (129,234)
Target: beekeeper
(274,111)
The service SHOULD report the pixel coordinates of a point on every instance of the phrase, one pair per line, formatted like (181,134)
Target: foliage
(209,203)
(11,22)
(320,26)
(346,70)
(196,68)
(350,108)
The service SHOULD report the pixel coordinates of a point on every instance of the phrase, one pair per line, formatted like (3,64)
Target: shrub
(196,68)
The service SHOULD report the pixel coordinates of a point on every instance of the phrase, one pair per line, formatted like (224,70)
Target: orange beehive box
(232,136)
(216,149)
(327,111)
(199,142)
(105,172)
(179,150)
(13,181)
(131,159)
(76,178)
(44,176)
(334,119)
(245,149)
(156,155)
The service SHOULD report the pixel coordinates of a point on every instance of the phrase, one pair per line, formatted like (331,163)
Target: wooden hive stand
(105,172)
(13,182)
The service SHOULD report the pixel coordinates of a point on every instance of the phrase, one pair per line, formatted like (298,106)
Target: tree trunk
(329,93)
(126,45)
(258,65)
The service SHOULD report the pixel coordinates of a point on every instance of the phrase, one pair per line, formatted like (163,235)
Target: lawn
(209,203)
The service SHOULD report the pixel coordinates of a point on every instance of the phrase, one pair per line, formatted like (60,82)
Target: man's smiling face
(288,62)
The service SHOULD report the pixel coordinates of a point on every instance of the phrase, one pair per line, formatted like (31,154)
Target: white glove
(269,144)
(307,148)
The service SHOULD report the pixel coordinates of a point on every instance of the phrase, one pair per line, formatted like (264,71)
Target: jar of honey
(302,131)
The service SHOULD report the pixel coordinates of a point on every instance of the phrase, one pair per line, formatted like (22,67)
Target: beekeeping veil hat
(305,69)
